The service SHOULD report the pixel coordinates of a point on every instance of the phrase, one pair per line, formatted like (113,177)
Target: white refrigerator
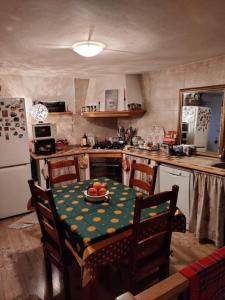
(15,167)
(198,119)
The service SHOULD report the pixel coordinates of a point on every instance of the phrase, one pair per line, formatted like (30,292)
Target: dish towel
(207,277)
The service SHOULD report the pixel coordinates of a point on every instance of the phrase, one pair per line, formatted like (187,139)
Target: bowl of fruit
(97,192)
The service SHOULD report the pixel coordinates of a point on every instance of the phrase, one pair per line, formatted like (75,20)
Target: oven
(107,166)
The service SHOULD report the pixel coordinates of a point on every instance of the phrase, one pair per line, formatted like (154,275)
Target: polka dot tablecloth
(88,224)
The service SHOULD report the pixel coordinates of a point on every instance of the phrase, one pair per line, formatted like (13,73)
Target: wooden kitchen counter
(199,163)
(76,150)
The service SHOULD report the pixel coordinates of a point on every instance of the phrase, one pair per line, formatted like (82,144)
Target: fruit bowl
(96,192)
(96,198)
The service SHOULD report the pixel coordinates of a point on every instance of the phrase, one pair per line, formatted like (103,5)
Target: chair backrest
(148,186)
(152,236)
(66,165)
(48,218)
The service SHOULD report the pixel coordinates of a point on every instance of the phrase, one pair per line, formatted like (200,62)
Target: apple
(104,185)
(97,185)
(92,191)
(102,191)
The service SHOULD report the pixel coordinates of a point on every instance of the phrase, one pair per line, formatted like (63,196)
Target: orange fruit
(92,191)
(102,191)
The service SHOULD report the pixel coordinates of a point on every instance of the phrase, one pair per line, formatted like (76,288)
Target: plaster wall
(41,88)
(57,89)
(161,91)
(98,85)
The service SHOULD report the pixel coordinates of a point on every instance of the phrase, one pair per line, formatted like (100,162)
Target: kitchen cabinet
(168,176)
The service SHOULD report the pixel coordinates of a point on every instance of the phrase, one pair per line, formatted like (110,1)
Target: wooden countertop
(199,163)
(75,150)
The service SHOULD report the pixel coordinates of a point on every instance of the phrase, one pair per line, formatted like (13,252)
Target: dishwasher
(168,176)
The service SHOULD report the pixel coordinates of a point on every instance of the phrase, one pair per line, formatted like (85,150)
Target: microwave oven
(44,131)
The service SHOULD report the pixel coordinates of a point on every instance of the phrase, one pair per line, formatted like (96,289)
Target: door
(14,190)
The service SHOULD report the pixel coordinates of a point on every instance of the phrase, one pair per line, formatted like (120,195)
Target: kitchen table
(99,233)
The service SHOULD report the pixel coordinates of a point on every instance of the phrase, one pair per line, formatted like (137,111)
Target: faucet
(222,155)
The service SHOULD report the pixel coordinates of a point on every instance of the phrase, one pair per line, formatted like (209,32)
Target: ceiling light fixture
(88,48)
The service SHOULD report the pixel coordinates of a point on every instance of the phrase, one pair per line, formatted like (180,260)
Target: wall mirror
(202,119)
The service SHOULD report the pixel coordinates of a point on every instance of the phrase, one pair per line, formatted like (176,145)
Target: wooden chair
(149,186)
(150,253)
(55,250)
(52,166)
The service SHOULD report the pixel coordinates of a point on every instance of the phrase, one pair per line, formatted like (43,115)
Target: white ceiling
(152,33)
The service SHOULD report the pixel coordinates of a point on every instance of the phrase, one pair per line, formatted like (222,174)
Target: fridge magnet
(7,106)
(7,136)
(21,110)
(1,103)
(0,128)
(16,119)
(7,124)
(12,128)
(17,124)
(20,135)
(23,128)
(1,120)
(22,116)
(6,128)
(111,100)
(15,133)
(5,113)
(13,114)
(13,108)
(0,134)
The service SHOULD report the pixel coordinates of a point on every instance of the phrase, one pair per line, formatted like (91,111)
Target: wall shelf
(114,114)
(60,113)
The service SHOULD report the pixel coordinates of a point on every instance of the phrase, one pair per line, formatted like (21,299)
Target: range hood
(127,85)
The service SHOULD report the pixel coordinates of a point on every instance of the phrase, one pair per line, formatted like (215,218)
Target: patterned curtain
(207,219)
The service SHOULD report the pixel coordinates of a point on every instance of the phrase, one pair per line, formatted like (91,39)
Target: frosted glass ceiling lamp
(88,48)
(39,112)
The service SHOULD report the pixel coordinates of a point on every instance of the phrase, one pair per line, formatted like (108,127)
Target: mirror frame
(215,88)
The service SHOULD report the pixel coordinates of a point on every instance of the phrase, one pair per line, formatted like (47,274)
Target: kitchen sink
(219,165)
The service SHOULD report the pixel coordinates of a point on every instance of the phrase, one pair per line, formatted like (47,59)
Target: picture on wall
(111,100)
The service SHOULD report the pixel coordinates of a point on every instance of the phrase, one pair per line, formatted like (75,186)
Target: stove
(109,145)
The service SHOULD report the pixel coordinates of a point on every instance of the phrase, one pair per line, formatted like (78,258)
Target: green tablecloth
(86,223)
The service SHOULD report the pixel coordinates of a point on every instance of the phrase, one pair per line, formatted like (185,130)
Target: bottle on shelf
(124,100)
(84,141)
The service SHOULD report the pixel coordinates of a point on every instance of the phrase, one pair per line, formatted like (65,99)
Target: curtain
(207,217)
